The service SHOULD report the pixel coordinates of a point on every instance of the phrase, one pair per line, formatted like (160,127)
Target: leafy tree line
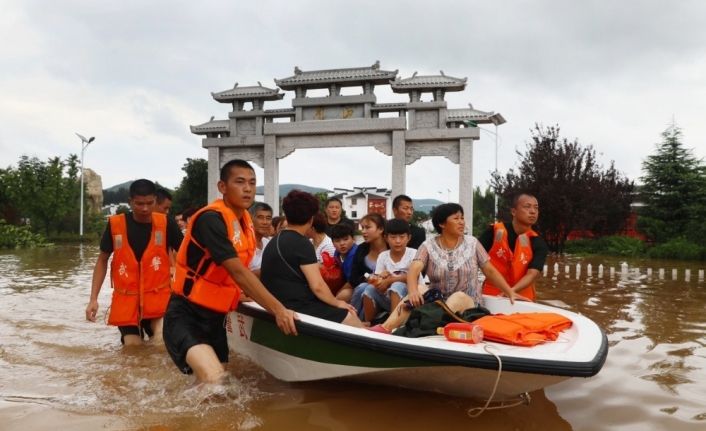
(43,195)
(575,192)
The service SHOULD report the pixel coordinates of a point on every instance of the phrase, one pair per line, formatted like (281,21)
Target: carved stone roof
(280,111)
(429,82)
(323,78)
(472,114)
(248,93)
(388,106)
(211,127)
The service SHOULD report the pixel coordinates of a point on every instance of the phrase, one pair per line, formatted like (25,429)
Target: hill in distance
(286,188)
(426,204)
(125,185)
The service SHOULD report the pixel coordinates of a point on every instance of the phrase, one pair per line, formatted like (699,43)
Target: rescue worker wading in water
(212,270)
(139,273)
(515,249)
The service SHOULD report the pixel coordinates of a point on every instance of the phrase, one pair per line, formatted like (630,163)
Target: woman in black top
(290,270)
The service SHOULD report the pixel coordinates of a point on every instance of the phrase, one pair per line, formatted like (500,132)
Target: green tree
(40,192)
(322,197)
(8,212)
(193,189)
(122,209)
(71,184)
(419,216)
(673,191)
(483,209)
(573,190)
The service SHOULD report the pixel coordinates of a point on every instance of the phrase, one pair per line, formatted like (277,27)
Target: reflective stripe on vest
(140,289)
(208,284)
(511,263)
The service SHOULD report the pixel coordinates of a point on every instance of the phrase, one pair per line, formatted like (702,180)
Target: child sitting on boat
(344,243)
(389,285)
(364,260)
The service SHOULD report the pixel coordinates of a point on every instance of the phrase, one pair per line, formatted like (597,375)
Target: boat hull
(324,350)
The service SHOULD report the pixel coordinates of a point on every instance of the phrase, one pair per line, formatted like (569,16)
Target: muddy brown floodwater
(60,372)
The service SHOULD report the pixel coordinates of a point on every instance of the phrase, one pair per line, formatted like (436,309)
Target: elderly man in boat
(451,261)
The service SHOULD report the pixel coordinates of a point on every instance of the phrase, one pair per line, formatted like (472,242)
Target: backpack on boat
(424,319)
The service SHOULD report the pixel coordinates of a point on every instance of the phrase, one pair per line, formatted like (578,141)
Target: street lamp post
(84,144)
(495,121)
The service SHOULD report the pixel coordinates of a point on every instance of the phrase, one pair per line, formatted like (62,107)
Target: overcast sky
(136,74)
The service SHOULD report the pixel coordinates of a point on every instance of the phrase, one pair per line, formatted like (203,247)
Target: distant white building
(360,201)
(110,210)
(363,200)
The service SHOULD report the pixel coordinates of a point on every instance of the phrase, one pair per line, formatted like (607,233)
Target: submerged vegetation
(12,236)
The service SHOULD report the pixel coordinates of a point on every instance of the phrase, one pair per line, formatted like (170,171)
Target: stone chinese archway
(345,121)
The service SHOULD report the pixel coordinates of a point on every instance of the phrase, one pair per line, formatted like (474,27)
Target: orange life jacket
(140,289)
(511,263)
(208,284)
(523,329)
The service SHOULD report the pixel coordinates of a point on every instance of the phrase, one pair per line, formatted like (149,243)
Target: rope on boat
(524,398)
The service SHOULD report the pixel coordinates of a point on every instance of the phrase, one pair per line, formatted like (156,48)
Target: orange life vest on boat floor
(208,284)
(523,329)
(140,289)
(511,263)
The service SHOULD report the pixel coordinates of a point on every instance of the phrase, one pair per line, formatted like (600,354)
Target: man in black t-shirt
(139,232)
(525,211)
(212,267)
(403,208)
(334,215)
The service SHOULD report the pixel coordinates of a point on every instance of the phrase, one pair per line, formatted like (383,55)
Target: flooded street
(60,372)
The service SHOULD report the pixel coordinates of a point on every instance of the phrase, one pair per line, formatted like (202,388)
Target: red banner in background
(377,206)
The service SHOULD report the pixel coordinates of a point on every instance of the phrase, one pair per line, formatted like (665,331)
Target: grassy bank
(74,238)
(623,246)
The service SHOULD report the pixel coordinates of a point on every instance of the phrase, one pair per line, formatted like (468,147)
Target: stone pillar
(271,174)
(465,180)
(399,163)
(214,171)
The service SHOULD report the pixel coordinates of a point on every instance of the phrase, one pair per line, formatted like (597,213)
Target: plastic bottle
(372,279)
(468,333)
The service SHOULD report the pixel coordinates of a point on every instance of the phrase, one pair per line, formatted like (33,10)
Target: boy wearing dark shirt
(403,208)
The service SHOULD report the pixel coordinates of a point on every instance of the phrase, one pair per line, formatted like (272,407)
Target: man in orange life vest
(211,273)
(139,273)
(522,263)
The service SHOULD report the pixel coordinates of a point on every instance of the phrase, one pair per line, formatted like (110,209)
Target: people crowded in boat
(451,260)
(290,270)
